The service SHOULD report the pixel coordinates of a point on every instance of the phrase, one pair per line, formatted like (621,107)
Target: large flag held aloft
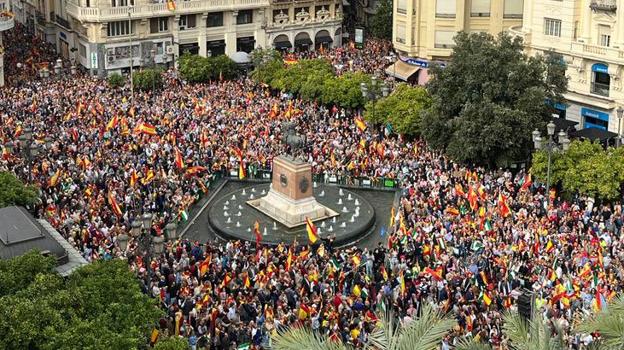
(312,231)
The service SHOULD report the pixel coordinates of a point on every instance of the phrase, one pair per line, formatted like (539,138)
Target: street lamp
(28,148)
(58,66)
(171,230)
(374,91)
(619,112)
(123,239)
(549,145)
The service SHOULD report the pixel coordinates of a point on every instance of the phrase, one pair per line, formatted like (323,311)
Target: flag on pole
(179,161)
(54,179)
(487,299)
(312,231)
(502,206)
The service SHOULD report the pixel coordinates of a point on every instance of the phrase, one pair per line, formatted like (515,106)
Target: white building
(98,34)
(590,36)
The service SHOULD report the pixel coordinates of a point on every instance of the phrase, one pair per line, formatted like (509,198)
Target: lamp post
(131,54)
(619,112)
(374,91)
(393,61)
(549,145)
(28,148)
(148,245)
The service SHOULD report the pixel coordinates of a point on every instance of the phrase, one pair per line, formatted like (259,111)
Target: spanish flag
(54,179)
(392,217)
(195,170)
(171,5)
(112,123)
(289,259)
(133,178)
(487,299)
(114,206)
(360,123)
(179,162)
(247,282)
(204,265)
(502,206)
(242,172)
(148,177)
(549,246)
(402,281)
(312,231)
(356,261)
(146,128)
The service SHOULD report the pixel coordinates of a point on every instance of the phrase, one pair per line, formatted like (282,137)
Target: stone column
(619,34)
(230,33)
(586,21)
(527,16)
(201,38)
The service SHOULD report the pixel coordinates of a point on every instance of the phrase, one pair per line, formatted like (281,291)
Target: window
(402,6)
(118,28)
(513,8)
(245,44)
(244,17)
(187,21)
(215,19)
(604,35)
(480,8)
(82,50)
(159,24)
(444,39)
(552,27)
(400,33)
(160,47)
(601,81)
(446,8)
(119,3)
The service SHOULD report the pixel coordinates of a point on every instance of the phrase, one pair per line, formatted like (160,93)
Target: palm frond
(471,344)
(532,334)
(303,338)
(610,324)
(517,330)
(425,332)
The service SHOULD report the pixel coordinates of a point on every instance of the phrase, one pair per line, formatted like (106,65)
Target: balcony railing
(600,89)
(599,52)
(603,5)
(105,14)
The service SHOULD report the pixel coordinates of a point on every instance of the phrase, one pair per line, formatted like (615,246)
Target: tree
(148,79)
(533,334)
(402,109)
(115,80)
(100,306)
(381,22)
(489,98)
(198,69)
(172,343)
(14,192)
(344,90)
(586,168)
(425,332)
(609,322)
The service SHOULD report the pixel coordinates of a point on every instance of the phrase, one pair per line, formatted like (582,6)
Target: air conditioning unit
(110,52)
(169,50)
(110,59)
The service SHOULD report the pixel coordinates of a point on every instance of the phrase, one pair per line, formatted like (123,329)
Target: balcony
(6,22)
(147,10)
(603,5)
(602,53)
(600,89)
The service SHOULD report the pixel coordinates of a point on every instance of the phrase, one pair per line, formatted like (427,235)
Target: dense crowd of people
(466,240)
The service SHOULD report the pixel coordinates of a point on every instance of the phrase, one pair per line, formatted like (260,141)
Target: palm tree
(423,333)
(532,334)
(609,322)
(466,344)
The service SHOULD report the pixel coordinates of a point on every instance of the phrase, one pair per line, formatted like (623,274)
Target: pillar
(586,13)
(619,33)
(201,38)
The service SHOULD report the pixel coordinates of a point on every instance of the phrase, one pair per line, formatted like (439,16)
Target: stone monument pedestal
(290,200)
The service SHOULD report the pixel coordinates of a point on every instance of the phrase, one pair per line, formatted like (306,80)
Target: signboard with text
(359,37)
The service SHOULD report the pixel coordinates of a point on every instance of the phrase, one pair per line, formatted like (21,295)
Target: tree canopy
(14,192)
(586,168)
(198,69)
(380,24)
(148,79)
(100,306)
(401,110)
(489,98)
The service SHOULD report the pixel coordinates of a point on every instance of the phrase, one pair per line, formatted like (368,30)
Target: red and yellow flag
(55,178)
(361,125)
(312,231)
(114,206)
(179,161)
(502,206)
(112,123)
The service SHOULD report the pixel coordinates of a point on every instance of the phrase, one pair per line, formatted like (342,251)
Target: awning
(324,40)
(593,134)
(564,124)
(402,70)
(280,45)
(218,43)
(246,40)
(303,41)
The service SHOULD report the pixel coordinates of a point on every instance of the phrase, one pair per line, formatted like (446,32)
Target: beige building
(423,30)
(590,36)
(7,21)
(98,34)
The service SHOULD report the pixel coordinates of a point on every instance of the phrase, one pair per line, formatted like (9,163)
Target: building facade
(7,21)
(590,36)
(99,34)
(423,30)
